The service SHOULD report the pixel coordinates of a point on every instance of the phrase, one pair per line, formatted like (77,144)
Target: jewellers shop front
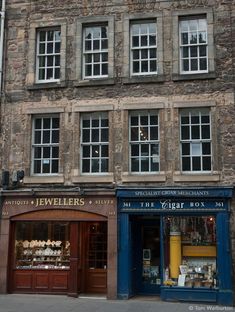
(59,244)
(175,243)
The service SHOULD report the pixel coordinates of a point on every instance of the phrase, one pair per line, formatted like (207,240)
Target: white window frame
(197,141)
(93,53)
(42,145)
(90,143)
(54,55)
(189,46)
(148,141)
(140,48)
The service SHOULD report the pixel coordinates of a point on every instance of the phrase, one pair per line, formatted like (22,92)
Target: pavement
(53,303)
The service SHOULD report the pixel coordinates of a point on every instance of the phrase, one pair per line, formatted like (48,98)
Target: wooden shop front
(60,244)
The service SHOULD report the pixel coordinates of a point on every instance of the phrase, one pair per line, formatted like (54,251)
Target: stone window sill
(213,177)
(49,85)
(93,178)
(178,77)
(157,177)
(44,179)
(143,79)
(94,82)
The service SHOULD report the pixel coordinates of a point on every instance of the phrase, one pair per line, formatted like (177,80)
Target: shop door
(146,257)
(95,257)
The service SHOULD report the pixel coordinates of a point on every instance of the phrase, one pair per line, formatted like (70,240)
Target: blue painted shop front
(175,243)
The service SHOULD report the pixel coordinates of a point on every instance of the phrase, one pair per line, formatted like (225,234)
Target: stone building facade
(141,67)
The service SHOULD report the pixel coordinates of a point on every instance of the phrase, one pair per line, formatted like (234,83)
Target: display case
(39,254)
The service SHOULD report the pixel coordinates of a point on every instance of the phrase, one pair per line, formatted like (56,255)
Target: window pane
(185,52)
(104,151)
(104,44)
(144,41)
(96,44)
(193,52)
(134,134)
(152,40)
(57,60)
(134,165)
(193,38)
(49,48)
(88,71)
(144,54)
(153,66)
(55,123)
(185,133)
(86,135)
(49,73)
(46,166)
(104,165)
(145,164)
(205,132)
(195,132)
(104,69)
(55,136)
(144,150)
(153,133)
(46,137)
(86,151)
(55,166)
(185,65)
(37,137)
(203,64)
(144,67)
(37,152)
(196,163)
(206,161)
(37,166)
(41,74)
(135,41)
(202,50)
(202,37)
(184,38)
(185,149)
(95,165)
(184,120)
(95,151)
(55,152)
(46,152)
(206,148)
(97,69)
(104,135)
(95,135)
(195,119)
(86,165)
(57,47)
(196,149)
(136,67)
(134,150)
(42,35)
(87,45)
(134,120)
(42,48)
(194,65)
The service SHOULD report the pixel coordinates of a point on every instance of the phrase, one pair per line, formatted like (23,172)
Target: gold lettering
(56,201)
(71,202)
(48,201)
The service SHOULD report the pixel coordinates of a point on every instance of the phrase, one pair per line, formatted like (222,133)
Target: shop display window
(190,251)
(42,245)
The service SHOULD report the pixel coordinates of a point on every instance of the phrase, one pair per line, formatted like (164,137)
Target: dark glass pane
(57,60)
(153,66)
(145,150)
(86,151)
(206,148)
(49,48)
(104,69)
(154,165)
(134,165)
(136,54)
(104,151)
(205,132)
(202,37)
(185,52)
(104,32)
(202,50)
(42,60)
(184,38)
(46,167)
(193,51)
(193,38)
(38,123)
(195,132)
(37,166)
(55,152)
(185,65)
(85,123)
(205,119)
(88,70)
(86,135)
(184,120)
(104,122)
(134,150)
(154,149)
(195,119)
(134,134)
(144,67)
(206,161)
(87,45)
(144,54)
(185,132)
(55,136)
(104,165)
(144,41)
(88,58)
(153,53)
(185,149)
(50,35)
(203,64)
(46,152)
(153,133)
(95,151)
(50,60)
(86,165)
(145,164)
(46,123)
(42,36)
(37,152)
(104,57)
(55,123)
(152,40)
(153,120)
(134,120)
(96,45)
(42,48)
(196,161)
(186,163)
(97,57)
(194,65)
(57,47)
(46,137)
(55,166)
(95,122)
(97,69)
(41,74)
(37,137)
(49,73)
(104,135)
(57,73)
(95,165)
(136,67)
(95,135)
(144,120)
(135,41)
(104,44)
(144,134)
